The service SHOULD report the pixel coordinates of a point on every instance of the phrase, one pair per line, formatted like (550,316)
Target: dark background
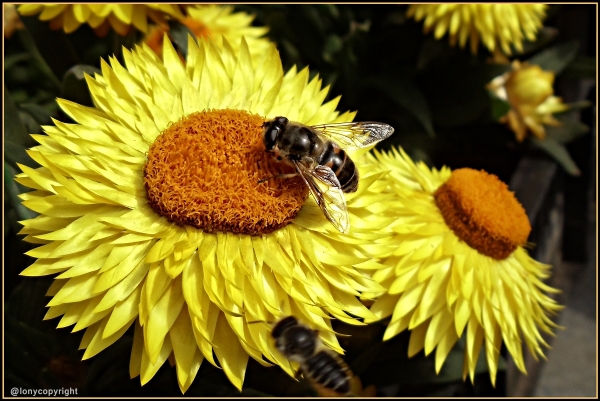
(384,67)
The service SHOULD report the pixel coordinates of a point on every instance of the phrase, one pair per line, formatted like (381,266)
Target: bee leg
(278,176)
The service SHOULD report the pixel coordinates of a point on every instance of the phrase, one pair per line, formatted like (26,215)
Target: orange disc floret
(481,211)
(205,169)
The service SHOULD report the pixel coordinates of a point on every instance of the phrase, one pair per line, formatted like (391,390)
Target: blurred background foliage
(382,65)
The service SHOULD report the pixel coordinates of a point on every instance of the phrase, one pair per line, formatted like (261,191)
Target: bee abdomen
(342,166)
(328,371)
(348,176)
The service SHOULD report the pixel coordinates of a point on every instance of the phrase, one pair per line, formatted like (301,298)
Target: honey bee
(317,155)
(320,365)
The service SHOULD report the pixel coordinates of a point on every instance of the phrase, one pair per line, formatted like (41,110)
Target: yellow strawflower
(217,22)
(459,267)
(101,17)
(497,26)
(529,91)
(151,213)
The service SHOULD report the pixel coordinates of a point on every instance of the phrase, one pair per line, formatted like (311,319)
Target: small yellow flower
(498,26)
(12,22)
(101,17)
(217,22)
(151,214)
(529,92)
(460,266)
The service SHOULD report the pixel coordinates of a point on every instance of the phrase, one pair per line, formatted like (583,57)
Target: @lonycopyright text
(44,392)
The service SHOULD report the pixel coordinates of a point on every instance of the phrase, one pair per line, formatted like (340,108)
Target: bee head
(272,130)
(282,325)
(294,340)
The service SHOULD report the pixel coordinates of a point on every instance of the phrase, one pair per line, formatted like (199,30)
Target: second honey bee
(320,365)
(317,155)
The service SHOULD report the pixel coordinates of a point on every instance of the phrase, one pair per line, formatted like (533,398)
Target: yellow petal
(55,311)
(444,348)
(161,318)
(76,289)
(439,326)
(123,289)
(148,368)
(184,346)
(231,355)
(89,317)
(98,343)
(72,314)
(417,339)
(123,312)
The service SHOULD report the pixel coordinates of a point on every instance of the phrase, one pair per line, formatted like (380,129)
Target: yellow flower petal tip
(500,27)
(102,17)
(459,267)
(219,23)
(151,214)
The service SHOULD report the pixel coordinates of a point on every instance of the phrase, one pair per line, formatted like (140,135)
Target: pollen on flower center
(204,171)
(481,211)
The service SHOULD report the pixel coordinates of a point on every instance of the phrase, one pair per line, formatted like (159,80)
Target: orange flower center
(481,211)
(196,27)
(204,171)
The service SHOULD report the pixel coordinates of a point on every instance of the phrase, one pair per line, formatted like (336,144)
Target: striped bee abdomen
(329,371)
(342,166)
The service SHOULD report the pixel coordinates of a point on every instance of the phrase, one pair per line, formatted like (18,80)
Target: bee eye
(273,129)
(270,137)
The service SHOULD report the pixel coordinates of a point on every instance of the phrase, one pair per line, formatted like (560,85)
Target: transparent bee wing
(355,135)
(329,197)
